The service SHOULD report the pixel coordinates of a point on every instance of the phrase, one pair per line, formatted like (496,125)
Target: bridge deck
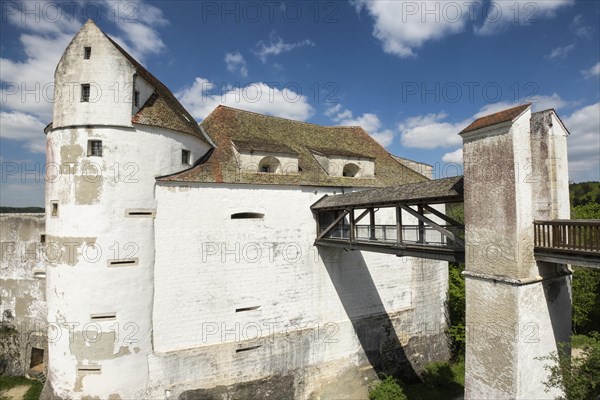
(568,241)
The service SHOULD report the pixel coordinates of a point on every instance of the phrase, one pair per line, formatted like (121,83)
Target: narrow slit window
(43,238)
(85,92)
(87,53)
(103,317)
(95,148)
(89,369)
(136,98)
(140,212)
(247,215)
(243,349)
(127,262)
(242,309)
(186,157)
(39,274)
(54,209)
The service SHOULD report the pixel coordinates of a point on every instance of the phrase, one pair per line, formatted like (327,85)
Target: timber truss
(435,235)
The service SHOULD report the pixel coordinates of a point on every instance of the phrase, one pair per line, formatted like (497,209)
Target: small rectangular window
(43,238)
(54,209)
(87,53)
(136,98)
(85,92)
(95,148)
(186,157)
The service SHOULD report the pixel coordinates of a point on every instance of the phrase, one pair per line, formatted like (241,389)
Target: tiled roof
(226,125)
(497,118)
(161,109)
(434,191)
(262,146)
(337,152)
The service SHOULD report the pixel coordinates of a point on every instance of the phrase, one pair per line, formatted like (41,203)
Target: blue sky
(413,74)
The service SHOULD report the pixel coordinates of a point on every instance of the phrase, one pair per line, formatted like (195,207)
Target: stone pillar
(517,309)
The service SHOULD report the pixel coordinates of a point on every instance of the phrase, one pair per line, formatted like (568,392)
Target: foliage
(584,193)
(35,387)
(386,389)
(437,374)
(456,308)
(586,211)
(578,378)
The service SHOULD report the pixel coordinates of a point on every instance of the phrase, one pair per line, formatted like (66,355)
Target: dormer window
(85,93)
(186,157)
(87,53)
(350,169)
(270,165)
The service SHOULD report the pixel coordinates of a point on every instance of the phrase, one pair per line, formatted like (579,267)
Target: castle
(180,257)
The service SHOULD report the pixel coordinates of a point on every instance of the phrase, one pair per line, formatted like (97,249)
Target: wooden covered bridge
(341,224)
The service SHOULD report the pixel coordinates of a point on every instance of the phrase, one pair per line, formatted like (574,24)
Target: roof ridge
(283,118)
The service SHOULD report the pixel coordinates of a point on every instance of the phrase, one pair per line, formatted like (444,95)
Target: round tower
(115,129)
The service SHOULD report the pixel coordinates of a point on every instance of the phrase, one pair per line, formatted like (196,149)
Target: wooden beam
(421,225)
(441,215)
(334,223)
(361,216)
(372,223)
(399,224)
(352,225)
(424,219)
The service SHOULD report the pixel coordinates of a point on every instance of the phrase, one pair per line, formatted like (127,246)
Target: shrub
(386,389)
(578,378)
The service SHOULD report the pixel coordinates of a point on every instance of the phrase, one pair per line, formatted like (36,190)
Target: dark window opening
(37,357)
(247,215)
(95,148)
(247,349)
(123,262)
(85,92)
(87,53)
(247,309)
(54,209)
(136,98)
(350,170)
(42,238)
(186,157)
(103,317)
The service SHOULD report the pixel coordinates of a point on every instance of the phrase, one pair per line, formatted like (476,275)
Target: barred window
(85,92)
(95,148)
(87,53)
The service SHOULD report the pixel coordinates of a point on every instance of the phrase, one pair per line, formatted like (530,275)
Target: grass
(8,382)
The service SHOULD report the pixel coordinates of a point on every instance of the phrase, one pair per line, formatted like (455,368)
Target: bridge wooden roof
(447,190)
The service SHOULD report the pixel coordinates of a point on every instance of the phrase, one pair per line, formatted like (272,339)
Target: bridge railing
(567,235)
(413,234)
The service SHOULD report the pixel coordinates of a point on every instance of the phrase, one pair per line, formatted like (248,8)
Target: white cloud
(235,62)
(203,96)
(277,46)
(580,29)
(23,127)
(593,71)
(429,131)
(403,26)
(498,15)
(584,143)
(455,156)
(368,121)
(561,52)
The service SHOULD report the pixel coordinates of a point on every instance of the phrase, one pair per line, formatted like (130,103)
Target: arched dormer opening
(350,169)
(270,165)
